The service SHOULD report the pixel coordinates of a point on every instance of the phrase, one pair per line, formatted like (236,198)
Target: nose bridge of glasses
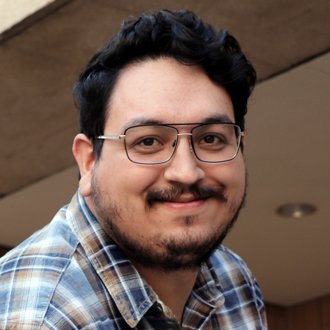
(182,134)
(174,145)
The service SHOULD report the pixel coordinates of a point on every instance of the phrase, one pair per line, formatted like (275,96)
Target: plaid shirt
(71,275)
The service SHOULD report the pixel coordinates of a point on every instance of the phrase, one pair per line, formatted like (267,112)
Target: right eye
(148,142)
(146,145)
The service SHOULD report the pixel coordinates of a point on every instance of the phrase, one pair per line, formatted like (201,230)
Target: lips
(182,199)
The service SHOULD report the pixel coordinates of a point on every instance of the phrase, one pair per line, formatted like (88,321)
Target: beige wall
(14,11)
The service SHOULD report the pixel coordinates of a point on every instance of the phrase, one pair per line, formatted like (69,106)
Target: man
(162,180)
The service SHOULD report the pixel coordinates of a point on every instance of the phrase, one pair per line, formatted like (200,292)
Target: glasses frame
(123,136)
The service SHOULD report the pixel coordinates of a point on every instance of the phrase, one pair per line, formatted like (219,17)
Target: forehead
(165,91)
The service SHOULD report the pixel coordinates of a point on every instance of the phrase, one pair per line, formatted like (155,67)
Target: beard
(170,253)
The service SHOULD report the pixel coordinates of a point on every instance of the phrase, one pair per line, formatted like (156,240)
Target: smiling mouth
(184,204)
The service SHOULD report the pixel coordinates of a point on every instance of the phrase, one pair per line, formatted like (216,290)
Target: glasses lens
(216,142)
(150,144)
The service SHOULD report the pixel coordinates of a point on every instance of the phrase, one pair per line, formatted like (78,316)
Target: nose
(184,167)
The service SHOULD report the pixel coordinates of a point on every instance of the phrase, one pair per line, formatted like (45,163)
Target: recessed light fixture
(296,210)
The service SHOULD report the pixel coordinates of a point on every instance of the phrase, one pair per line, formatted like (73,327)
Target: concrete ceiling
(13,12)
(287,153)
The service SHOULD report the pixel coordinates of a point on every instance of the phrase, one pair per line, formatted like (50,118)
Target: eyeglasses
(156,144)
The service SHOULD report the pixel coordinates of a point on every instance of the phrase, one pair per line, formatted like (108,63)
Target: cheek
(238,174)
(130,179)
(239,181)
(232,176)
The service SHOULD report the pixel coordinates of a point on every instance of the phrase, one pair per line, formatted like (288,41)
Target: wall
(277,317)
(310,315)
(12,12)
(3,250)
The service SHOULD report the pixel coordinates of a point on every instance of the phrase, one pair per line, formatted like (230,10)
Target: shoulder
(233,274)
(236,280)
(231,270)
(30,273)
(227,263)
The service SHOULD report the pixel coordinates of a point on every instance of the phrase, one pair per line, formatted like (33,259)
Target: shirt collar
(207,286)
(130,292)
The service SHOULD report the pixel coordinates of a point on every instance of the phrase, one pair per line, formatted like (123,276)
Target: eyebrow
(218,118)
(140,120)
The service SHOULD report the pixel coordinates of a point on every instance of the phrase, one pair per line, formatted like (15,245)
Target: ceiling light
(296,210)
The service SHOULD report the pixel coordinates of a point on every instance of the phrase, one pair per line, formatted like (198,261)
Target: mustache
(172,193)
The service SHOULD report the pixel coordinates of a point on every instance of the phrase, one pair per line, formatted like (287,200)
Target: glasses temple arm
(110,137)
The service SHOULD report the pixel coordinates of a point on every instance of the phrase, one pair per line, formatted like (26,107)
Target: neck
(173,288)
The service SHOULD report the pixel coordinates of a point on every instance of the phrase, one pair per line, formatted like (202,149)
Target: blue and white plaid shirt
(71,275)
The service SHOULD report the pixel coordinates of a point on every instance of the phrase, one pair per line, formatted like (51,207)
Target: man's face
(176,229)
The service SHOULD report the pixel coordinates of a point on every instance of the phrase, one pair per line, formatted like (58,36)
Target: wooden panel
(277,317)
(311,315)
(325,305)
(4,250)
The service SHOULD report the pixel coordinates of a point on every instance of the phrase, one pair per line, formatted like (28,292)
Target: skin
(116,188)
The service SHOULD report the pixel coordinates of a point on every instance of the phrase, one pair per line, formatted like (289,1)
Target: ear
(83,152)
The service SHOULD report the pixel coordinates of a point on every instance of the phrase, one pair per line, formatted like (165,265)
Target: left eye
(211,139)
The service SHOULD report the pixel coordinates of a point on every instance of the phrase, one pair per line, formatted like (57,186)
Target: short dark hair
(179,35)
